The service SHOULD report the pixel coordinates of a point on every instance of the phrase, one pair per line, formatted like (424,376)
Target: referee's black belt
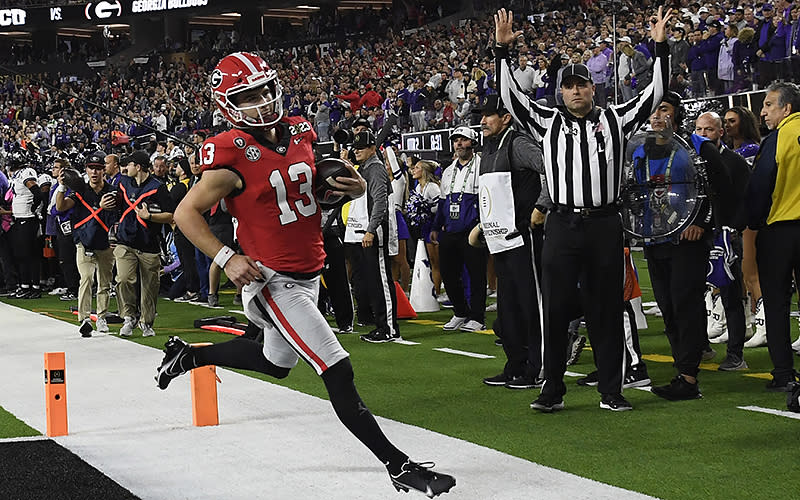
(602,211)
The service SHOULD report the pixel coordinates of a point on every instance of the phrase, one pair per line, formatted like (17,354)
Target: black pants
(678,276)
(518,307)
(457,253)
(67,254)
(186,255)
(27,250)
(8,271)
(777,256)
(373,282)
(589,251)
(338,286)
(732,301)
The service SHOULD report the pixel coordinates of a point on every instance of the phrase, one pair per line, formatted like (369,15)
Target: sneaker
(68,297)
(492,294)
(548,404)
(636,377)
(213,300)
(8,292)
(575,348)
(492,307)
(127,327)
(720,339)
(188,297)
(442,298)
(524,382)
(34,293)
(498,342)
(147,330)
(20,293)
(377,337)
(678,390)
(101,325)
(732,363)
(776,385)
(497,380)
(237,300)
(420,477)
(614,402)
(472,326)
(175,353)
(57,291)
(454,323)
(86,328)
(708,354)
(717,324)
(588,380)
(344,329)
(760,337)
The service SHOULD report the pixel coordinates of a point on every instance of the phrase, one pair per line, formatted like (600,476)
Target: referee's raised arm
(532,117)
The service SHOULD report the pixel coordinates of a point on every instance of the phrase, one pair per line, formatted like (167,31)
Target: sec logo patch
(252,153)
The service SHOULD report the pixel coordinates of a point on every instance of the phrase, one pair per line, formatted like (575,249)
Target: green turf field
(705,449)
(11,426)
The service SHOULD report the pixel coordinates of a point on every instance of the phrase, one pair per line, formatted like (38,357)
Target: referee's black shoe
(500,379)
(678,390)
(614,402)
(422,478)
(548,403)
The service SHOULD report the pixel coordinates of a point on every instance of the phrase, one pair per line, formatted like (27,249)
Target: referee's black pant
(678,275)
(457,253)
(589,251)
(518,307)
(777,255)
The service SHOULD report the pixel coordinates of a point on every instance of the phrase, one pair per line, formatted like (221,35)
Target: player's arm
(213,186)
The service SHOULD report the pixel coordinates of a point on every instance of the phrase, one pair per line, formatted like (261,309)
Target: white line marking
(780,413)
(405,342)
(463,353)
(23,438)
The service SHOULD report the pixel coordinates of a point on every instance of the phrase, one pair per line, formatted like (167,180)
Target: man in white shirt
(525,74)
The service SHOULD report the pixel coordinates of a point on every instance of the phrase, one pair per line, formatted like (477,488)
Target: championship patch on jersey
(239,142)
(252,153)
(300,128)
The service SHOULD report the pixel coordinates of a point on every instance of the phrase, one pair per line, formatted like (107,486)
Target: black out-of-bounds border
(38,470)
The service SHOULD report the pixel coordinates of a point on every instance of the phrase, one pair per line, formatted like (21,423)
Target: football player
(264,169)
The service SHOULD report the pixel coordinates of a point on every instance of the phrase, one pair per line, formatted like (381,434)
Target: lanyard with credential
(466,178)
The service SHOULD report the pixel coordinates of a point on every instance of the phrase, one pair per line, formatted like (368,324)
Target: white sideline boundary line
(23,439)
(270,438)
(463,353)
(770,411)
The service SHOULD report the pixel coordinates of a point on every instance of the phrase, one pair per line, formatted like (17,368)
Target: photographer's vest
(133,230)
(90,223)
(497,198)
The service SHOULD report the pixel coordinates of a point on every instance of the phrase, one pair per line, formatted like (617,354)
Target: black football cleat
(420,477)
(175,352)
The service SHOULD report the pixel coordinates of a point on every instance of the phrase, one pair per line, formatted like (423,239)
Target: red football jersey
(279,218)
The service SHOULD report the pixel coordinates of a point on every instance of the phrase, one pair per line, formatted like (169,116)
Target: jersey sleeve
(218,151)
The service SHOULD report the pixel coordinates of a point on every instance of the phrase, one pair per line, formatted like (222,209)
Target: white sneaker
(57,291)
(653,311)
(720,339)
(472,326)
(442,297)
(796,346)
(492,307)
(760,337)
(127,327)
(101,325)
(454,323)
(147,330)
(492,294)
(717,324)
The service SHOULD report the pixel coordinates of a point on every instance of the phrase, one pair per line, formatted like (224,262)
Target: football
(327,170)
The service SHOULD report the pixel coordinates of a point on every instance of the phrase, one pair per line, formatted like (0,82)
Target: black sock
(239,353)
(356,416)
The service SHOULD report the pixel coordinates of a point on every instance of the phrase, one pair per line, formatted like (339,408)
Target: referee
(583,154)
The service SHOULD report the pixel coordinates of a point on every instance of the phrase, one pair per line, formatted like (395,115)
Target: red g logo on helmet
(247,91)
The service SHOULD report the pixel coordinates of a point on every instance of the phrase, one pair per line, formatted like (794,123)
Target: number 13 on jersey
(304,204)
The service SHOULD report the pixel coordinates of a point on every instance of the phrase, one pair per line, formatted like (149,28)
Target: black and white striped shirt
(583,157)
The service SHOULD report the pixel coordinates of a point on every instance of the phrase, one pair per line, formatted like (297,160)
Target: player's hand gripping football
(353,186)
